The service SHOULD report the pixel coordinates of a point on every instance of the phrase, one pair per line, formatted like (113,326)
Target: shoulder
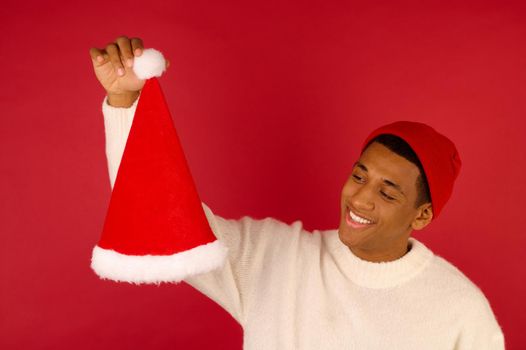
(461,296)
(480,328)
(251,230)
(450,275)
(455,286)
(446,277)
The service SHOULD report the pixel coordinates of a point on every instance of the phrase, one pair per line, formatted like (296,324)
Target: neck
(381,274)
(391,254)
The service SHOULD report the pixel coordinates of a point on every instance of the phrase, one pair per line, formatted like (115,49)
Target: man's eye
(386,196)
(357,177)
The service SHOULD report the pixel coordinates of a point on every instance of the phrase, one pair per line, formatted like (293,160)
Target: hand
(113,66)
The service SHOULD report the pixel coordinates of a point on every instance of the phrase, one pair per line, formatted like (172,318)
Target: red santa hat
(155,229)
(437,153)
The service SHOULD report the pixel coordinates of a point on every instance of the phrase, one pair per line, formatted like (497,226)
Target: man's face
(381,188)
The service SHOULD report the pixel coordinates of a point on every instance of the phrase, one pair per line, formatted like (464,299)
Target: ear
(424,216)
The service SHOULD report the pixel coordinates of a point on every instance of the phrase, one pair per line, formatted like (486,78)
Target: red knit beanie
(437,153)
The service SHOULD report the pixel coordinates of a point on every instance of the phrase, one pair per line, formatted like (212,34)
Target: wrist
(124,100)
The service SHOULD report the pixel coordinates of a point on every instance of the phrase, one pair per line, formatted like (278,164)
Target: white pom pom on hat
(150,64)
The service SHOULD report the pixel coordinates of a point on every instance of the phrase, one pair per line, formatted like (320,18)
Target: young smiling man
(366,285)
(383,201)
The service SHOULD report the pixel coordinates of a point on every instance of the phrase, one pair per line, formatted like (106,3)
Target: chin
(345,236)
(350,237)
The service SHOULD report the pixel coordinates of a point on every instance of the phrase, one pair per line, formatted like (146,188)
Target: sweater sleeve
(481,330)
(117,125)
(228,285)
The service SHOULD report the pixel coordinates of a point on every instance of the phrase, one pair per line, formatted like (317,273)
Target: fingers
(137,46)
(125,49)
(120,53)
(115,58)
(97,57)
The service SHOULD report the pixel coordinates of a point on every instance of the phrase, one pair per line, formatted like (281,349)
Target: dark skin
(365,191)
(113,67)
(382,188)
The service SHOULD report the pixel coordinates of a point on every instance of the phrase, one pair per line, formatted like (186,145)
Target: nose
(362,198)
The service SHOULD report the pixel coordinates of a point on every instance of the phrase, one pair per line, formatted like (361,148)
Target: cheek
(349,188)
(398,216)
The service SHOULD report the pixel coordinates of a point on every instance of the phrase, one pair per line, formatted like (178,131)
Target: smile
(356,221)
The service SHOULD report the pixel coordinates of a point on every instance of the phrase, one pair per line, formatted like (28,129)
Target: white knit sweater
(293,289)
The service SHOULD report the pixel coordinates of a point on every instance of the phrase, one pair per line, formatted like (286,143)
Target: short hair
(397,145)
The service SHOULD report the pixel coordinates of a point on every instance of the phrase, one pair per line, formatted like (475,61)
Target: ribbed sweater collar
(379,275)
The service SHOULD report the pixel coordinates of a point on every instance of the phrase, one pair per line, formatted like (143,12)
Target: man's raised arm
(227,285)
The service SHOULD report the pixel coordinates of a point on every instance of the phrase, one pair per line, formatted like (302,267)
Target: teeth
(359,219)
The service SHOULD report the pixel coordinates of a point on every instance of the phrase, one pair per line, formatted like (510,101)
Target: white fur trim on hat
(109,264)
(150,64)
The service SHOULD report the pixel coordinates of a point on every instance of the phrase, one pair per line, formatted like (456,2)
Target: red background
(271,101)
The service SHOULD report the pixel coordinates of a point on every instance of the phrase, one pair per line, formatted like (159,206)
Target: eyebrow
(386,181)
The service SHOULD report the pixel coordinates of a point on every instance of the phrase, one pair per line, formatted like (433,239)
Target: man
(366,285)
